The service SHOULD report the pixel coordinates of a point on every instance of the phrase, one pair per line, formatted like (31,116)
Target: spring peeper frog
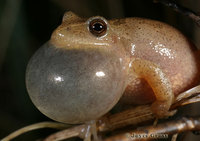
(89,64)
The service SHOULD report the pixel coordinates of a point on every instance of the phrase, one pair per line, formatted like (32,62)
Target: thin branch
(183,10)
(159,131)
(133,117)
(137,116)
(40,125)
(65,134)
(188,97)
(174,137)
(189,93)
(143,113)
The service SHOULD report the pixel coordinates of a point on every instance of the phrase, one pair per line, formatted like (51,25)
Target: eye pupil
(98,27)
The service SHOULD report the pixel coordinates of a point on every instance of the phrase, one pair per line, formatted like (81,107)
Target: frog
(91,64)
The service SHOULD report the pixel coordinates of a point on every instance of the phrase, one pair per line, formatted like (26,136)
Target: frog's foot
(161,109)
(89,133)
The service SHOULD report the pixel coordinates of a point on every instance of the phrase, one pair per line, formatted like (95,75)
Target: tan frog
(89,64)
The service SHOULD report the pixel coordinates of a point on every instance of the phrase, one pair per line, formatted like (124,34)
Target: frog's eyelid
(96,17)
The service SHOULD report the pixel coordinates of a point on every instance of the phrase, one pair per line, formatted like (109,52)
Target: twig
(67,133)
(144,113)
(189,93)
(40,125)
(137,115)
(180,9)
(188,97)
(174,137)
(159,131)
(133,117)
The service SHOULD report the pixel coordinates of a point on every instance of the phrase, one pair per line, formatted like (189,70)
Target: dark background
(27,24)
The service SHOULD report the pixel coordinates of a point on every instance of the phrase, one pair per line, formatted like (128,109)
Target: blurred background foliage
(27,24)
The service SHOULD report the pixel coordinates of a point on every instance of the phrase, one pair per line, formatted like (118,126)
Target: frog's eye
(98,27)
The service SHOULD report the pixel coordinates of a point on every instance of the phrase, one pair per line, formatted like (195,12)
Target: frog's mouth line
(80,45)
(85,47)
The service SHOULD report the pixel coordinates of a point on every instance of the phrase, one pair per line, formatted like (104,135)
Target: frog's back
(163,45)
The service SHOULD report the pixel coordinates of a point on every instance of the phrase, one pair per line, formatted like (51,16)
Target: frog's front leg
(160,85)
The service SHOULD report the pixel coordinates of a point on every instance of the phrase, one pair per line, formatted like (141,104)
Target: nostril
(72,85)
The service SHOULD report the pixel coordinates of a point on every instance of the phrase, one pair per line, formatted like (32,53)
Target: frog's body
(163,45)
(83,73)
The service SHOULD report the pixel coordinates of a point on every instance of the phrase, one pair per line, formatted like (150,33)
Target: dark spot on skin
(68,28)
(114,39)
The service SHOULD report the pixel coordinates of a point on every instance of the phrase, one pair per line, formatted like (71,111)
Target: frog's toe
(161,110)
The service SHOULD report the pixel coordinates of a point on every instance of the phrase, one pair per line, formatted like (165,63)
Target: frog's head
(80,33)
(81,73)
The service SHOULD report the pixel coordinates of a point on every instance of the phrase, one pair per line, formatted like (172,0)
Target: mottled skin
(166,47)
(141,60)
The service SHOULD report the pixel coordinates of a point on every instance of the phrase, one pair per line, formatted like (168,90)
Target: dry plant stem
(181,10)
(67,133)
(144,113)
(40,125)
(194,99)
(187,97)
(131,117)
(174,137)
(189,93)
(177,126)
(138,115)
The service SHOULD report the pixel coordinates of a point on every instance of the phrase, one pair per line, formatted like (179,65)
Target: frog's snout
(74,86)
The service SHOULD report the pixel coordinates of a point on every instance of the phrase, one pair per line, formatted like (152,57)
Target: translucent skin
(71,93)
(78,77)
